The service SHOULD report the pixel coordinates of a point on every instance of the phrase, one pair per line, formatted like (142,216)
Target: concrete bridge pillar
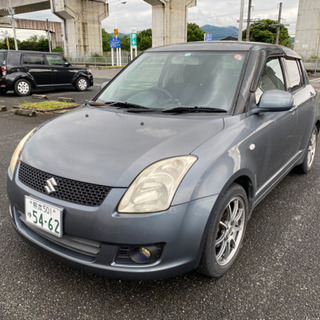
(307,37)
(169,20)
(81,25)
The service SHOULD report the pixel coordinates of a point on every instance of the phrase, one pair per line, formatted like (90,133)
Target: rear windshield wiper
(192,109)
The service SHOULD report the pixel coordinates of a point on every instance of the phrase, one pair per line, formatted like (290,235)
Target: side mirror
(67,64)
(274,101)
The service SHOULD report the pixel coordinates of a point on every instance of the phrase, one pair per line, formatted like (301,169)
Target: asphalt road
(275,277)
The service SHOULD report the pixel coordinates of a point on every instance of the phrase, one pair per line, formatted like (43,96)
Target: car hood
(111,147)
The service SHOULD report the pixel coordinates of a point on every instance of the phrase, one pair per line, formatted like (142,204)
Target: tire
(22,87)
(309,157)
(82,84)
(226,233)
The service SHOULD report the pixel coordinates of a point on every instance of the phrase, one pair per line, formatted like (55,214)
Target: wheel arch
(243,178)
(79,75)
(25,77)
(12,78)
(318,125)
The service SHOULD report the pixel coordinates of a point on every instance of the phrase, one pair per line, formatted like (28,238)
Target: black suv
(24,71)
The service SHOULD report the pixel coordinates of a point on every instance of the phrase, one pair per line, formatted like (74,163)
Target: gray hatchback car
(159,174)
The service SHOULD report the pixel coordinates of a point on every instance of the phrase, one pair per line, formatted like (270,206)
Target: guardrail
(312,65)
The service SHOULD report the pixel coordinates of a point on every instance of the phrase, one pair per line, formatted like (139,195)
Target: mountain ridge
(220,33)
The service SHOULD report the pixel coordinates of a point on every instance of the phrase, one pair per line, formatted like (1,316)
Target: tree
(125,43)
(58,49)
(194,32)
(144,39)
(3,44)
(106,40)
(266,31)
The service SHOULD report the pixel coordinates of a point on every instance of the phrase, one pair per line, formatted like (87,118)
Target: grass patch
(48,105)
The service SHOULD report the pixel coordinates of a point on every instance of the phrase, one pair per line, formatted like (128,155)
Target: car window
(271,77)
(56,60)
(32,59)
(2,55)
(294,74)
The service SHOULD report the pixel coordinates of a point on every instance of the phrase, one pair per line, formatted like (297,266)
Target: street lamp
(121,2)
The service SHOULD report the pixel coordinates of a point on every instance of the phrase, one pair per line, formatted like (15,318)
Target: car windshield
(168,80)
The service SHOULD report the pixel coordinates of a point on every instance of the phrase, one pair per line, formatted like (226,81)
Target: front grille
(83,193)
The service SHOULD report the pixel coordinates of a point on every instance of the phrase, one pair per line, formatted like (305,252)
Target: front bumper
(93,236)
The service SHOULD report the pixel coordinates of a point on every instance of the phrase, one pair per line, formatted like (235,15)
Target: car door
(35,65)
(275,132)
(62,73)
(304,100)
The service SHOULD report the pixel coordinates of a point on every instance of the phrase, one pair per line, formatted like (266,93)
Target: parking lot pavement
(101,75)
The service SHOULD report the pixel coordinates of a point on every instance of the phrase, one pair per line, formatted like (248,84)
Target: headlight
(155,187)
(16,155)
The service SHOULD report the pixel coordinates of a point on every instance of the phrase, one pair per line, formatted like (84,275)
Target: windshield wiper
(126,105)
(121,104)
(191,109)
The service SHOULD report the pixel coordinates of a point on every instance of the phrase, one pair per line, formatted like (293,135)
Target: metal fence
(100,61)
(312,65)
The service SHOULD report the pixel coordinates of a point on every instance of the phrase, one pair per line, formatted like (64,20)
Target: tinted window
(271,77)
(294,75)
(56,60)
(32,59)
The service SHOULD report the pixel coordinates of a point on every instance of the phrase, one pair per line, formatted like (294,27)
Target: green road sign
(133,37)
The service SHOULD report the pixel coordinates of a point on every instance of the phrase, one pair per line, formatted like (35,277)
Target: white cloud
(138,14)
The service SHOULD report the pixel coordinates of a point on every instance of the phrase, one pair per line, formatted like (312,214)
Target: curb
(27,111)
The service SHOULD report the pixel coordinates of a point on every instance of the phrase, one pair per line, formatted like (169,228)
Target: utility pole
(13,23)
(248,21)
(49,36)
(241,21)
(279,23)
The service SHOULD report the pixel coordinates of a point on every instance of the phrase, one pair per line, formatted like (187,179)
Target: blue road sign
(208,37)
(115,43)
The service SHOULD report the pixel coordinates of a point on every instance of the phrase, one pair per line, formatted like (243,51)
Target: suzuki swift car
(160,172)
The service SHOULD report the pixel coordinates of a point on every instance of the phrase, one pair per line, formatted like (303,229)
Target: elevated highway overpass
(81,21)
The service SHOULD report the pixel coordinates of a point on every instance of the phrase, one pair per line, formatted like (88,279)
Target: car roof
(28,51)
(227,46)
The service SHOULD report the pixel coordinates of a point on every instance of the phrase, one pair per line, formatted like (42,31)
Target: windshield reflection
(166,80)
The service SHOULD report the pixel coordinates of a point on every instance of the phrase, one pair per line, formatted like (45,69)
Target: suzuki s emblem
(51,183)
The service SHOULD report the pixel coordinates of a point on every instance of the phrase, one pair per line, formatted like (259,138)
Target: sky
(138,14)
